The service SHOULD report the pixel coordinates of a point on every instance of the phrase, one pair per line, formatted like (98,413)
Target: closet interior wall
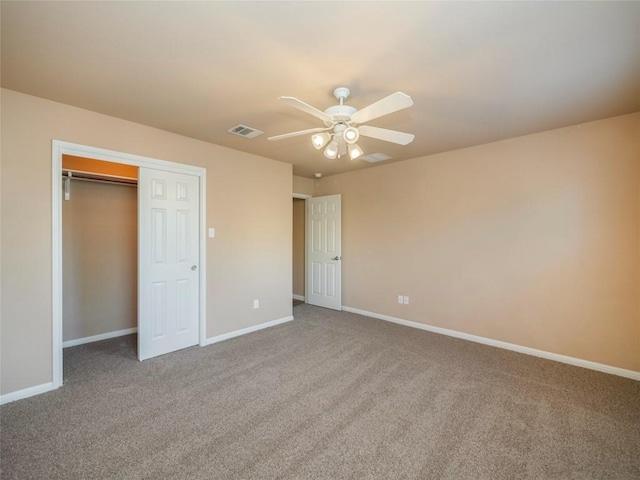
(99,243)
(298,247)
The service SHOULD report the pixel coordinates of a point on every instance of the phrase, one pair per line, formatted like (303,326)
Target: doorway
(299,277)
(59,149)
(99,250)
(299,247)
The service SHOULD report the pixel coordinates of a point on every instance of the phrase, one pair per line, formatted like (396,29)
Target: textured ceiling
(477,71)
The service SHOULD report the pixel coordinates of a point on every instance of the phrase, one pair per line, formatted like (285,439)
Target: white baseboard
(97,338)
(298,297)
(26,392)
(507,346)
(244,331)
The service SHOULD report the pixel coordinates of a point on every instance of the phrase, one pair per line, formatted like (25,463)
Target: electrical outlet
(256,304)
(399,298)
(405,300)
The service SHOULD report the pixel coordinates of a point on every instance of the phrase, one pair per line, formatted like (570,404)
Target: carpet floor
(330,395)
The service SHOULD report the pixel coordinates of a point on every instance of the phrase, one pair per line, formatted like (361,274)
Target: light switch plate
(212,232)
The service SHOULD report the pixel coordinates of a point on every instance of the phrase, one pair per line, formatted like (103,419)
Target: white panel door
(168,298)
(324,252)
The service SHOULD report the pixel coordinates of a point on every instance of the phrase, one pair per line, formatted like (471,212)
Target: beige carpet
(328,396)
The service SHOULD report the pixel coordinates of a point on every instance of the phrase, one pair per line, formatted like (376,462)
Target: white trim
(58,149)
(306,249)
(26,392)
(56,240)
(97,338)
(298,297)
(244,331)
(302,196)
(203,258)
(125,158)
(499,344)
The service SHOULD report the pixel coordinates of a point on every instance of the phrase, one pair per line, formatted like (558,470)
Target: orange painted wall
(71,162)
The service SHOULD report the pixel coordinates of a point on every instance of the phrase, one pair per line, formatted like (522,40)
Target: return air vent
(376,157)
(245,131)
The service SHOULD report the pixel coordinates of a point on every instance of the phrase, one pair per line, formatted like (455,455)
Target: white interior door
(324,252)
(168,298)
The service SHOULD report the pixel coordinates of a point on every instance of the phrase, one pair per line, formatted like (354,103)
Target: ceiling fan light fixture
(319,140)
(344,124)
(331,151)
(354,151)
(351,135)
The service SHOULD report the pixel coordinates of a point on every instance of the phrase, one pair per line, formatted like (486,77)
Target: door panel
(159,235)
(324,252)
(168,311)
(159,309)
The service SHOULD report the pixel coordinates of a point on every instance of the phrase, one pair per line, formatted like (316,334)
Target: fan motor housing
(340,113)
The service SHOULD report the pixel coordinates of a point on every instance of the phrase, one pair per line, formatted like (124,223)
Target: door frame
(59,148)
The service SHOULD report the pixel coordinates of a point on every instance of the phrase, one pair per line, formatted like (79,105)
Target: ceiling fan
(341,131)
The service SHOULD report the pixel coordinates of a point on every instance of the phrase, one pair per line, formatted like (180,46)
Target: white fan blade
(392,136)
(392,103)
(300,105)
(301,132)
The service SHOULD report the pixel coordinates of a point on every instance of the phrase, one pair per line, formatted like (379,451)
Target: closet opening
(171,213)
(299,248)
(99,253)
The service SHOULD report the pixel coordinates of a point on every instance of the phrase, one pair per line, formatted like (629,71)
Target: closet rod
(99,178)
(111,182)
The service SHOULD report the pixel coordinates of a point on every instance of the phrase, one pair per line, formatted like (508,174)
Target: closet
(99,250)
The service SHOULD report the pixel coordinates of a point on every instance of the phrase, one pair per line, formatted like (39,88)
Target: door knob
(336,258)
(193,268)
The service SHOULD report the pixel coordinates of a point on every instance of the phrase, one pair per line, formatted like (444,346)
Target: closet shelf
(98,177)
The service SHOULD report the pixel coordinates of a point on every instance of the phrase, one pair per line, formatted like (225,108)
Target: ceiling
(478,72)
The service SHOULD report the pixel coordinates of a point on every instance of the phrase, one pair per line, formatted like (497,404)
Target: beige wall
(298,246)
(248,201)
(99,259)
(303,185)
(533,240)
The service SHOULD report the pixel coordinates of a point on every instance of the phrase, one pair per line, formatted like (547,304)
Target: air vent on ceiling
(376,157)
(244,131)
